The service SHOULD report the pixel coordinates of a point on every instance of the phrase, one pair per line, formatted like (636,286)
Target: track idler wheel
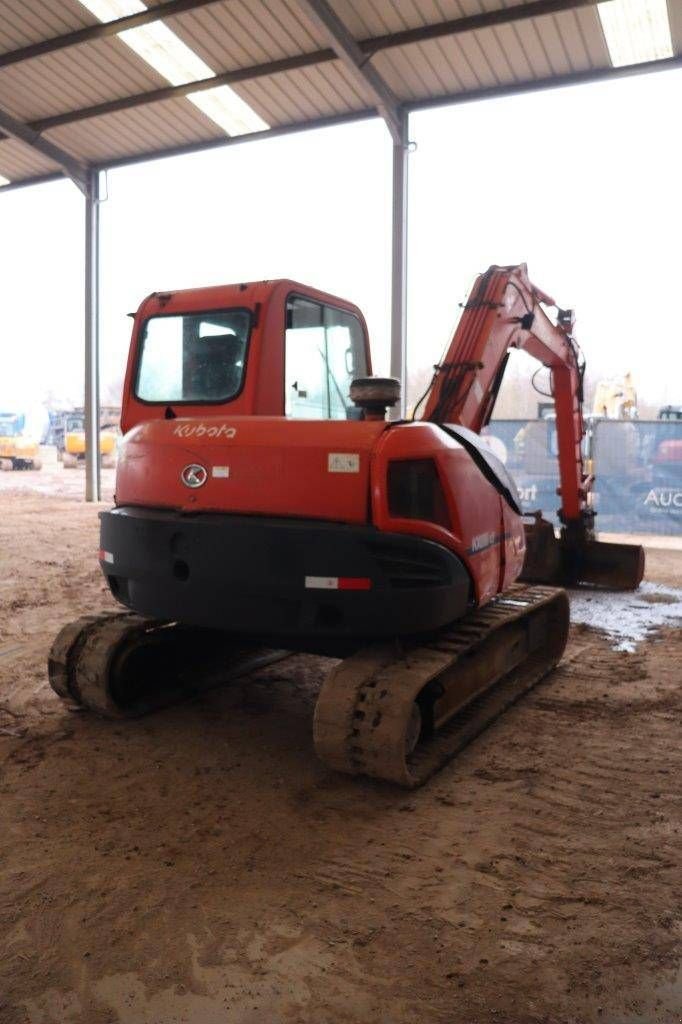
(94,661)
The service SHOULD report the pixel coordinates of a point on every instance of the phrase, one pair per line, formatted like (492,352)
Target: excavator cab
(269,348)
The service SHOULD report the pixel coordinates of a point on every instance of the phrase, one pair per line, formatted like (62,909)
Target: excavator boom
(506,311)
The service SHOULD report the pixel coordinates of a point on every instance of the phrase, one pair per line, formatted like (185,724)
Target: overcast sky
(583,184)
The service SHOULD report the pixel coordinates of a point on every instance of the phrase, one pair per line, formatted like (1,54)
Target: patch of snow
(629,617)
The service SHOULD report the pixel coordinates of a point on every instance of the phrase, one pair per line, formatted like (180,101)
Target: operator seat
(217,367)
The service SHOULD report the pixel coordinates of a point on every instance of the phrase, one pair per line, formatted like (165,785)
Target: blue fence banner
(638,468)
(637,465)
(529,450)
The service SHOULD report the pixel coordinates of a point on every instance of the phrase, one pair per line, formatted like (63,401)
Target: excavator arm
(506,311)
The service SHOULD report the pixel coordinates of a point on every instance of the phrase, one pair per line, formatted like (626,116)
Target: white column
(92,454)
(399,265)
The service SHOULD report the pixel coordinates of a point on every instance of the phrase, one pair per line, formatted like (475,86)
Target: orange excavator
(265,503)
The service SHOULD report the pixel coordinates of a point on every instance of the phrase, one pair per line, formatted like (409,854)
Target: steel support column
(93,490)
(399,264)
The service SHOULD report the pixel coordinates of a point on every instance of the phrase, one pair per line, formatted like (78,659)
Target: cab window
(195,357)
(324,351)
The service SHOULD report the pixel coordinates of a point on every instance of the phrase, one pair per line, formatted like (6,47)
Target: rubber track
(364,705)
(85,656)
(64,654)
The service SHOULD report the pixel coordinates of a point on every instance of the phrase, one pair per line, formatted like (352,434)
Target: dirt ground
(201,866)
(53,479)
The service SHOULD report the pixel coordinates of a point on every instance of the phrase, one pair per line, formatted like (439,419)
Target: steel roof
(102,104)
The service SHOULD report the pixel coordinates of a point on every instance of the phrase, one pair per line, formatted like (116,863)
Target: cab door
(324,350)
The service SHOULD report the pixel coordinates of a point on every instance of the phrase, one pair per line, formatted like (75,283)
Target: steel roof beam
(346,48)
(412,106)
(72,167)
(171,92)
(454,26)
(101,30)
(472,22)
(368,47)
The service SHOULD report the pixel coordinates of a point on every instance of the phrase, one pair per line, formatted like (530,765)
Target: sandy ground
(201,866)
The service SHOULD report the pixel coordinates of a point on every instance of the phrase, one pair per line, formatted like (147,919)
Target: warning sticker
(343,462)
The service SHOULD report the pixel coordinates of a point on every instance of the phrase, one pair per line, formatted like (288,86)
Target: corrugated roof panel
(427,69)
(18,161)
(294,96)
(553,46)
(488,40)
(365,20)
(449,68)
(675,18)
(452,66)
(533,48)
(272,99)
(341,88)
(293,90)
(357,17)
(407,78)
(75,77)
(240,34)
(162,125)
(530,38)
(299,26)
(24,22)
(375,17)
(435,70)
(473,53)
(309,92)
(362,19)
(593,35)
(573,41)
(435,73)
(511,45)
(403,71)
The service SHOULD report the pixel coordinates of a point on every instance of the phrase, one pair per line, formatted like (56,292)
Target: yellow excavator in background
(71,441)
(616,399)
(19,443)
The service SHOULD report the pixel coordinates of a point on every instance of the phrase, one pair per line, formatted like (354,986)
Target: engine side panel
(486,534)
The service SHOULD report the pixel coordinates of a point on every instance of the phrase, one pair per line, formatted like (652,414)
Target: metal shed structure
(87,85)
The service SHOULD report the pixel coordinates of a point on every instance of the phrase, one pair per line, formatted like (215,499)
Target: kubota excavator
(263,499)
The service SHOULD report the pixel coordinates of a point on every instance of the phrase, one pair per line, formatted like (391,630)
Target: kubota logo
(194,475)
(201,430)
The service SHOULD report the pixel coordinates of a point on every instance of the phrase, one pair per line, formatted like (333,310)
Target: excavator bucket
(564,561)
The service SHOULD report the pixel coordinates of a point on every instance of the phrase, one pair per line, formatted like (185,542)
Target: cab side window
(324,351)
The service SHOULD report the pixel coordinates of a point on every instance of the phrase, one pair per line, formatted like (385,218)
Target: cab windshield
(11,424)
(194,357)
